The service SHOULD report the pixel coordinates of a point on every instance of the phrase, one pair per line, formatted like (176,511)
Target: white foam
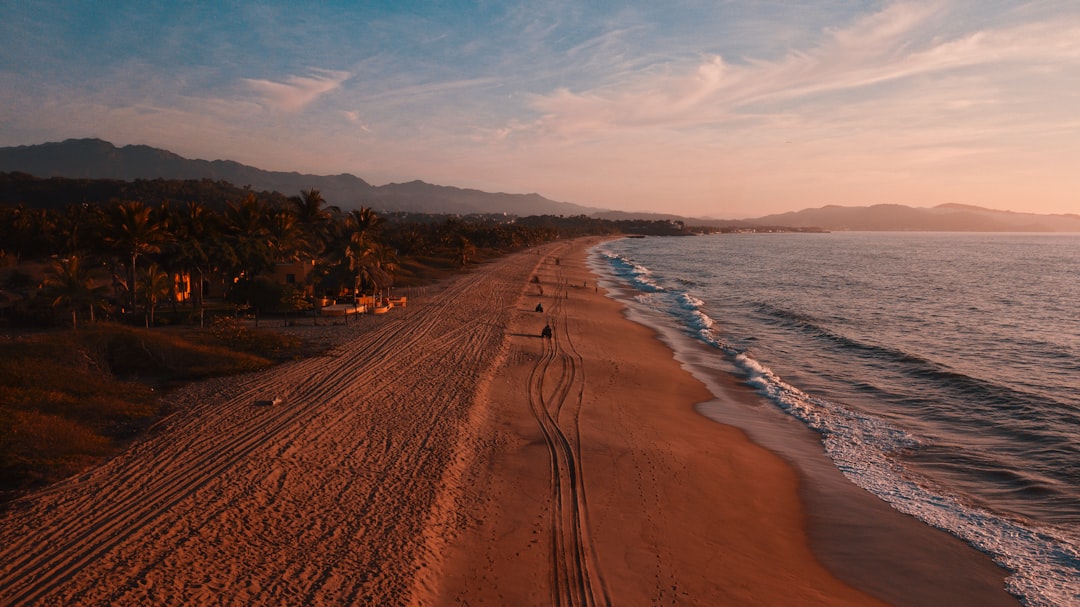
(1045,563)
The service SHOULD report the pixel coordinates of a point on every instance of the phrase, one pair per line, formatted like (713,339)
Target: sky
(723,108)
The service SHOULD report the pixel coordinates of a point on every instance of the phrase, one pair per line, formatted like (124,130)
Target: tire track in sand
(557,382)
(356,456)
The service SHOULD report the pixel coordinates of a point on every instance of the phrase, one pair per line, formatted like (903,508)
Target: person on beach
(540,307)
(546,332)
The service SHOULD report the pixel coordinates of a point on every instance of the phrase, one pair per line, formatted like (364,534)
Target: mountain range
(97,159)
(942,218)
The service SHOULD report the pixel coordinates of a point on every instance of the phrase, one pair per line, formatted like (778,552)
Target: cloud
(297,92)
(903,42)
(354,118)
(430,89)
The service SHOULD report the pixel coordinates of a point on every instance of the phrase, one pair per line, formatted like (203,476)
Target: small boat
(382,307)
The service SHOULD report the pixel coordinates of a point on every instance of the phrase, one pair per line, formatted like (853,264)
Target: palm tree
(249,237)
(314,217)
(359,255)
(249,248)
(287,237)
(363,220)
(155,285)
(71,284)
(358,250)
(370,263)
(133,230)
(196,241)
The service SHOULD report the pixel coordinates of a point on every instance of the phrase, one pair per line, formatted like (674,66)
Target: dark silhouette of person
(539,307)
(546,332)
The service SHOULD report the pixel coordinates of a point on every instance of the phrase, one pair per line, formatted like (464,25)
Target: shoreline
(450,455)
(646,501)
(861,538)
(682,507)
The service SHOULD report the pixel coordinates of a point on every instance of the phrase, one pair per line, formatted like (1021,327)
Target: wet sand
(639,499)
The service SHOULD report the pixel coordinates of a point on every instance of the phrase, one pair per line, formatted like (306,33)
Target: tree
(314,218)
(363,221)
(248,237)
(465,250)
(196,242)
(155,285)
(287,237)
(71,284)
(132,230)
(368,262)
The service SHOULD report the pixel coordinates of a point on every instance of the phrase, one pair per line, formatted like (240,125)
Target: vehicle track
(320,499)
(557,382)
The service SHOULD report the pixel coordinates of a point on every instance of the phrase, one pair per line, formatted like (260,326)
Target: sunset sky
(725,108)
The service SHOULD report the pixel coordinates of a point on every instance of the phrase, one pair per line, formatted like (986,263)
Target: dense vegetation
(125,259)
(120,254)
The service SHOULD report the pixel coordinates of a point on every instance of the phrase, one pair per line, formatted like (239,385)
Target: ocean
(940,370)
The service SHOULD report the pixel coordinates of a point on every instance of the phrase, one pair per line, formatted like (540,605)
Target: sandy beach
(447,454)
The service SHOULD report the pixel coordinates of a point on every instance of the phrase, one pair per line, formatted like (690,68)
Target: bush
(68,399)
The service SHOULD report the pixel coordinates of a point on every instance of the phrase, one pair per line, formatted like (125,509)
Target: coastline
(681,509)
(862,539)
(449,455)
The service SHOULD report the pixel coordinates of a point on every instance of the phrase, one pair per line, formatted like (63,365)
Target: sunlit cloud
(427,89)
(354,118)
(876,50)
(714,108)
(297,92)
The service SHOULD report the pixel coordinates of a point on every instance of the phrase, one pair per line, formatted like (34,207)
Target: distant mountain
(97,159)
(942,218)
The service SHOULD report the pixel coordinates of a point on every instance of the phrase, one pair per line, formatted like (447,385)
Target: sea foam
(1045,565)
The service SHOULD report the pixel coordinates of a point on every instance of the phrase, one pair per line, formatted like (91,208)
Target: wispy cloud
(429,89)
(297,92)
(618,104)
(883,48)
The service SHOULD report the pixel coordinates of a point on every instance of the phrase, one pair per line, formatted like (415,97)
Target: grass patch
(417,270)
(69,399)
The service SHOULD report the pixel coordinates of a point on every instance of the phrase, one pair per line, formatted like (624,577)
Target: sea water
(941,371)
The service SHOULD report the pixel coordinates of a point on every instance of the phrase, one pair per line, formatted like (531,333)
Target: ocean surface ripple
(940,370)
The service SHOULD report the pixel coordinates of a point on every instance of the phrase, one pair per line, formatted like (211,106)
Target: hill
(942,218)
(100,169)
(97,159)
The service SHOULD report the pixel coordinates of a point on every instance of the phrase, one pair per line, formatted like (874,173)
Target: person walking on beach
(540,307)
(546,332)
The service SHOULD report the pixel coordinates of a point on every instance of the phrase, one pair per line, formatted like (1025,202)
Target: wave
(1044,561)
(991,396)
(636,275)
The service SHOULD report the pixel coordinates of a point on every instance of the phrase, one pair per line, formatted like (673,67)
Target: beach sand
(446,454)
(648,502)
